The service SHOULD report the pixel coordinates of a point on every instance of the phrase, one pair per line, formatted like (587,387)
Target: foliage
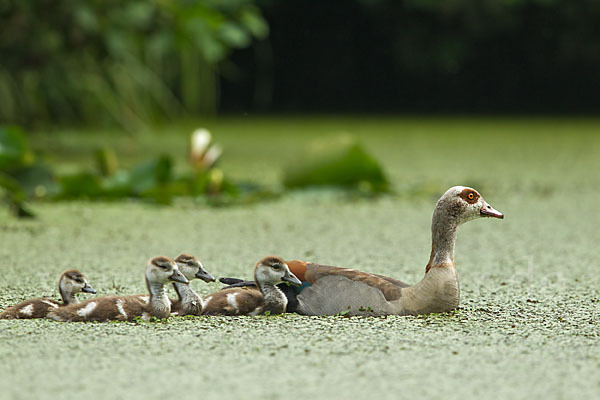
(114,61)
(23,177)
(338,162)
(466,56)
(19,171)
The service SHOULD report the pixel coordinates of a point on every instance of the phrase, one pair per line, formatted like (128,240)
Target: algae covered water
(529,320)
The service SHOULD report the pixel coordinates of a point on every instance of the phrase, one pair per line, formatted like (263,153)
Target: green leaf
(14,148)
(80,185)
(106,161)
(251,19)
(37,180)
(233,35)
(12,187)
(151,174)
(15,196)
(118,185)
(338,162)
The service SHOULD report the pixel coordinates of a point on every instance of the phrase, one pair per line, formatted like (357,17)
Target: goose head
(192,268)
(462,204)
(73,281)
(162,270)
(273,270)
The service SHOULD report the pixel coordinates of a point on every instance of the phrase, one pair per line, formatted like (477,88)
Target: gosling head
(464,204)
(192,268)
(273,270)
(164,269)
(73,281)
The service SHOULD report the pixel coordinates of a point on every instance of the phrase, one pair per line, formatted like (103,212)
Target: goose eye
(470,196)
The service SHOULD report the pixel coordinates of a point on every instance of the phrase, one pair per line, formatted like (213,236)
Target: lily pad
(148,175)
(339,162)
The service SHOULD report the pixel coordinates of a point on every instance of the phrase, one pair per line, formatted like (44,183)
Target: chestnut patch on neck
(469,195)
(443,265)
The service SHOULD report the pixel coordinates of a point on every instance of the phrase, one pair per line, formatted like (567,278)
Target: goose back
(112,308)
(263,298)
(33,308)
(234,301)
(70,283)
(159,271)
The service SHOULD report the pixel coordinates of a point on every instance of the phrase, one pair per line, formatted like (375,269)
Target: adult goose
(70,283)
(188,301)
(159,271)
(268,299)
(330,290)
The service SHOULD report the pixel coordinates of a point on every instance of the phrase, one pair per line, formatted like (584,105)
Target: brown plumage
(248,301)
(159,271)
(267,299)
(70,283)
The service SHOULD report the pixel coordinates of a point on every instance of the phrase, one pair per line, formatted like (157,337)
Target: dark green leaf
(14,148)
(37,180)
(339,162)
(15,196)
(118,185)
(150,174)
(80,185)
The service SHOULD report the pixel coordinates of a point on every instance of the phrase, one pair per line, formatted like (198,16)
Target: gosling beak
(88,289)
(178,277)
(205,276)
(291,279)
(489,211)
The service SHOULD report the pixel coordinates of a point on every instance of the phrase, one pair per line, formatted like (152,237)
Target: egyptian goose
(159,271)
(332,290)
(70,283)
(269,299)
(188,301)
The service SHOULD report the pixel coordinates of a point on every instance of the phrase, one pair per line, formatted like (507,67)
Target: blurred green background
(85,69)
(130,63)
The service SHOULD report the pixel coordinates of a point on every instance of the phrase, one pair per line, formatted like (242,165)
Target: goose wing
(332,290)
(234,301)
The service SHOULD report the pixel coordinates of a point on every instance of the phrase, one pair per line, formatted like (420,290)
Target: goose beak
(291,278)
(88,289)
(178,277)
(489,211)
(205,276)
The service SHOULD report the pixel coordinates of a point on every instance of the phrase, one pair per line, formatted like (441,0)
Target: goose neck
(158,296)
(443,237)
(66,293)
(275,300)
(185,293)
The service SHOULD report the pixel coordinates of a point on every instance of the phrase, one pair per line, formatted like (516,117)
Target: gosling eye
(190,263)
(277,267)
